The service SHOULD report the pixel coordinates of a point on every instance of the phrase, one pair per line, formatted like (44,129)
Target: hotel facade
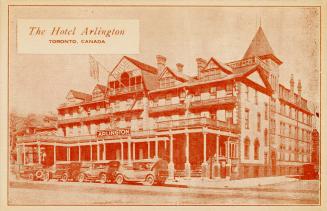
(232,120)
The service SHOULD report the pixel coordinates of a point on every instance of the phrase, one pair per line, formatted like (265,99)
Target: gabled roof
(101,87)
(80,95)
(259,45)
(151,81)
(227,69)
(179,75)
(142,65)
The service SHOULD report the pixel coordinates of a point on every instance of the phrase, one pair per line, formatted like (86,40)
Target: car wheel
(149,180)
(103,178)
(81,177)
(31,176)
(64,177)
(46,176)
(119,179)
(39,174)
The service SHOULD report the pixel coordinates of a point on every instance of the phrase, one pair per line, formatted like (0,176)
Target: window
(256,97)
(258,122)
(266,111)
(247,111)
(266,136)
(246,148)
(290,131)
(229,89)
(256,149)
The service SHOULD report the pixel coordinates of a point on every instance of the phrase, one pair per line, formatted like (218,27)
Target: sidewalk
(225,183)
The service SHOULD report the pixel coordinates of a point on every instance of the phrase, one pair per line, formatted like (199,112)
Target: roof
(142,65)
(101,87)
(81,95)
(177,74)
(259,45)
(222,65)
(151,81)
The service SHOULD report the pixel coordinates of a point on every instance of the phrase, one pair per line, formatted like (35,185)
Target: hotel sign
(114,132)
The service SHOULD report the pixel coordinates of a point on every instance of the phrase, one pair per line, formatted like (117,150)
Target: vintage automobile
(310,172)
(64,171)
(99,171)
(149,172)
(32,171)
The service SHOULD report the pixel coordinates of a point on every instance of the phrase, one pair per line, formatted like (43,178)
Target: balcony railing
(214,102)
(84,118)
(198,122)
(125,90)
(167,108)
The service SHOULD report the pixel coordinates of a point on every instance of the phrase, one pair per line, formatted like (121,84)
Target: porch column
(204,165)
(98,151)
(19,155)
(215,172)
(122,151)
(24,153)
(79,152)
(228,162)
(54,153)
(149,147)
(156,148)
(134,150)
(91,152)
(68,153)
(187,156)
(104,153)
(171,166)
(129,150)
(39,152)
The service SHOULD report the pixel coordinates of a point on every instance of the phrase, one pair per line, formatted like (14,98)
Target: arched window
(266,137)
(124,78)
(247,148)
(256,149)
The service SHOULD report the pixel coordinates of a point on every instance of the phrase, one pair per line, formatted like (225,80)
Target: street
(24,192)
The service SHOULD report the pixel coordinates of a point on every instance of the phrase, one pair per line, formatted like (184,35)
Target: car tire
(149,180)
(31,177)
(103,178)
(39,174)
(119,179)
(64,177)
(81,177)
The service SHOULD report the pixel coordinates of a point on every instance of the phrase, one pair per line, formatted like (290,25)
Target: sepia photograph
(164,105)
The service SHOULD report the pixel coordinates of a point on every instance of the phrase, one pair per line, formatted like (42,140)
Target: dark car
(99,171)
(310,172)
(32,171)
(148,172)
(64,171)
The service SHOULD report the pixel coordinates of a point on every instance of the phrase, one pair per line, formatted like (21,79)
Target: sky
(39,83)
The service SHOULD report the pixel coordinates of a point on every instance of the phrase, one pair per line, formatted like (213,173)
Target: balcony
(84,118)
(125,90)
(212,103)
(167,108)
(198,122)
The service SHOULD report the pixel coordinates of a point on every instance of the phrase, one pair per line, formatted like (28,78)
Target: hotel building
(232,120)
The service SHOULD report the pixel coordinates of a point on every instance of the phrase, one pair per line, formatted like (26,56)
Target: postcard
(163,104)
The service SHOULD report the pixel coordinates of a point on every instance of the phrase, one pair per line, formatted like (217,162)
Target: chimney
(292,85)
(201,64)
(161,62)
(299,88)
(179,67)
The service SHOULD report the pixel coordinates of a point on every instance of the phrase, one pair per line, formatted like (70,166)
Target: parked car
(148,172)
(64,171)
(99,171)
(310,172)
(32,171)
